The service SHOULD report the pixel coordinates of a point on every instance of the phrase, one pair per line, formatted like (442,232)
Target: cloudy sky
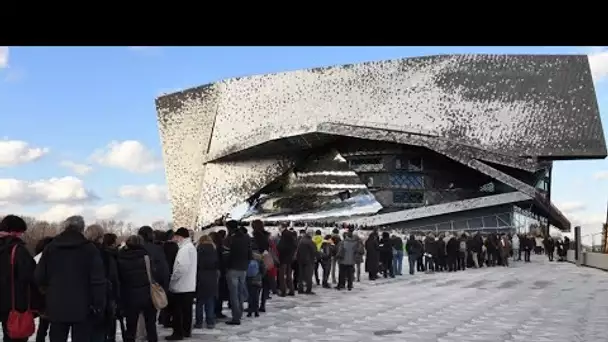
(79,132)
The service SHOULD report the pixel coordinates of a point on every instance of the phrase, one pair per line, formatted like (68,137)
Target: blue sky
(71,103)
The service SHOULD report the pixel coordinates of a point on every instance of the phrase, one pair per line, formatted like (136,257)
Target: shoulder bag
(19,325)
(159,297)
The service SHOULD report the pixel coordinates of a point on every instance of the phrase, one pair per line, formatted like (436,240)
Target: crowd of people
(84,282)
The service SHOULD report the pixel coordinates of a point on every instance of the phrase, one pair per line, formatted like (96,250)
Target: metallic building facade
(450,133)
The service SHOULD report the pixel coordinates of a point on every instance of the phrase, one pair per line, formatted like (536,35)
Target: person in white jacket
(183,285)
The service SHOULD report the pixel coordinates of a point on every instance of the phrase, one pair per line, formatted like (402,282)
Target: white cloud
(53,190)
(130,155)
(111,211)
(3,57)
(16,152)
(571,207)
(60,212)
(79,169)
(600,175)
(598,61)
(147,193)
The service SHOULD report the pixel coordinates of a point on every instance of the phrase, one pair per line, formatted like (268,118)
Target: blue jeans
(206,306)
(398,262)
(238,292)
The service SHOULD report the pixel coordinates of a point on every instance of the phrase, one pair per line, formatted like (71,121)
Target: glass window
(408,197)
(415,164)
(410,164)
(406,181)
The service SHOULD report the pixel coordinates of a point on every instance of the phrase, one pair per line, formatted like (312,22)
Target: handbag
(159,297)
(19,325)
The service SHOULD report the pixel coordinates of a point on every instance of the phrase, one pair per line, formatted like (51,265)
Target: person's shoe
(282,294)
(174,338)
(220,316)
(210,326)
(231,322)
(249,314)
(291,294)
(350,289)
(309,293)
(198,326)
(257,314)
(188,335)
(262,310)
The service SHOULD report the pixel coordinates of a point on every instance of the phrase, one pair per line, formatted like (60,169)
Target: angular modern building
(438,142)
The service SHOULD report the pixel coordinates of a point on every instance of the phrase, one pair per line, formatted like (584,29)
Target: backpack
(463,246)
(253,269)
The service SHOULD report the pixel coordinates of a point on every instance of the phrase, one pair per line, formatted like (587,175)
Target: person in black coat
(386,255)
(102,329)
(440,264)
(452,249)
(287,250)
(413,248)
(207,275)
(157,257)
(21,280)
(135,288)
(71,271)
(306,258)
(549,247)
(170,249)
(431,251)
(223,295)
(372,252)
(43,323)
(236,255)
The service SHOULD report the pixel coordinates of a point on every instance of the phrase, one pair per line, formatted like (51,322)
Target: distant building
(463,142)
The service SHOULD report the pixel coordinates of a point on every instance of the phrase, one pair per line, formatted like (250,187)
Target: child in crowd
(255,273)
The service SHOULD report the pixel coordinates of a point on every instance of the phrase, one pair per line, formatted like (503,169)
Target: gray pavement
(539,301)
(535,302)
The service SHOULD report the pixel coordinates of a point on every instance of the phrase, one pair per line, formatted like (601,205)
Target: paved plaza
(539,301)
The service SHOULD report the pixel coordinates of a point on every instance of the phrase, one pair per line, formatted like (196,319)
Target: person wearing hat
(11,229)
(183,285)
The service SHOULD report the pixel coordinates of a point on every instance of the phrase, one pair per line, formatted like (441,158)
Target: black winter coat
(237,251)
(440,248)
(452,247)
(158,261)
(287,247)
(261,240)
(23,277)
(134,282)
(109,258)
(386,248)
(170,249)
(431,247)
(207,273)
(413,247)
(306,251)
(71,271)
(372,252)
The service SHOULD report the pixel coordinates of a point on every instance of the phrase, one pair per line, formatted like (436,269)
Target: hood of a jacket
(69,239)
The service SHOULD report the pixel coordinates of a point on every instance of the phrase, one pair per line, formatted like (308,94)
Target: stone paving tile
(539,301)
